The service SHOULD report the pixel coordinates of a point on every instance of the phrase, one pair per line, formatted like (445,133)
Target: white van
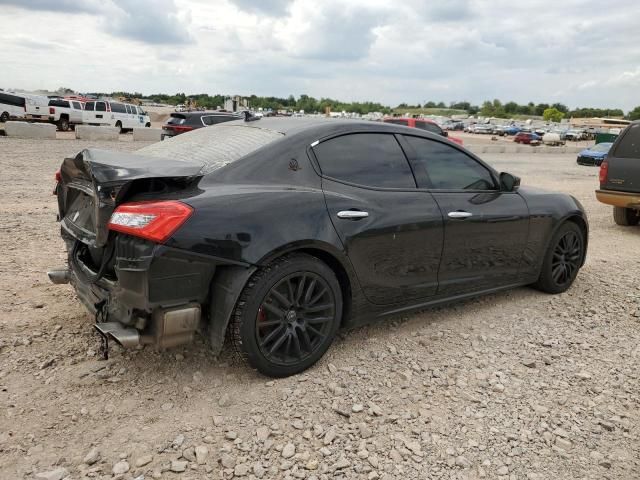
(124,116)
(11,106)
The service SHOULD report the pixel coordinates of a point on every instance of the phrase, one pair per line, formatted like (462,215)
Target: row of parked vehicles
(66,112)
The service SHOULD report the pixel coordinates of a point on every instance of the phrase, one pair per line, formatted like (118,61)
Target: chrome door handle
(459,214)
(352,214)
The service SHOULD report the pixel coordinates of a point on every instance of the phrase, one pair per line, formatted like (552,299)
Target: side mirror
(508,182)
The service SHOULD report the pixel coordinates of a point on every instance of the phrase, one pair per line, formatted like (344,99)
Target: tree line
(495,108)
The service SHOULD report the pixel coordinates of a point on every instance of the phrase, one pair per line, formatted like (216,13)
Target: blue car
(594,155)
(512,130)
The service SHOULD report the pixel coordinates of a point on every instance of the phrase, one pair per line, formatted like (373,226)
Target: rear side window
(215,119)
(370,159)
(118,108)
(629,146)
(101,107)
(59,103)
(89,106)
(429,127)
(449,168)
(14,100)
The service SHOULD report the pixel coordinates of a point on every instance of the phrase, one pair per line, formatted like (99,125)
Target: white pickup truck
(64,112)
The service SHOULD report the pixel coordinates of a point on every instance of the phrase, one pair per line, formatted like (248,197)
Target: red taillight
(52,111)
(58,176)
(155,221)
(604,172)
(178,128)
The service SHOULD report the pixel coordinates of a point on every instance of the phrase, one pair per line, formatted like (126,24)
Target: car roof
(410,118)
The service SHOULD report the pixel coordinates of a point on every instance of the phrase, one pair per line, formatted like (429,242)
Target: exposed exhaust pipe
(125,337)
(59,276)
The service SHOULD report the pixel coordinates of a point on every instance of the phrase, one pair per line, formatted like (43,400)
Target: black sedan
(278,232)
(182,122)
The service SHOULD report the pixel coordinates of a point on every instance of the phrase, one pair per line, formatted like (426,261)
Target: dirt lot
(519,385)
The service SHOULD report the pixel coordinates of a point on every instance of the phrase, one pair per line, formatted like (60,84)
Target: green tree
(552,114)
(634,114)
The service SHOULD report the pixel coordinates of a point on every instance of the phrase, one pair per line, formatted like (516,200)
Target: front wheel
(562,260)
(4,117)
(287,315)
(625,217)
(119,126)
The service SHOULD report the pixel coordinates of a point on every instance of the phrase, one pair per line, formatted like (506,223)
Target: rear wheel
(63,124)
(148,125)
(119,126)
(625,216)
(287,315)
(562,260)
(4,117)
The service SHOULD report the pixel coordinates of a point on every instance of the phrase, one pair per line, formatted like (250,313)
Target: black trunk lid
(95,181)
(624,162)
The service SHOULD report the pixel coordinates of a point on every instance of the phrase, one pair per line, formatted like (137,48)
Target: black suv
(186,121)
(620,177)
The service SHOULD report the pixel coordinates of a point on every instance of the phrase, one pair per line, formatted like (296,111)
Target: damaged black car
(274,234)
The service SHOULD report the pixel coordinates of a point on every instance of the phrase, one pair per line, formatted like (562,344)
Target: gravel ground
(518,385)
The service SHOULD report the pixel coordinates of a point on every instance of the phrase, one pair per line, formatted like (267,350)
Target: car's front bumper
(619,199)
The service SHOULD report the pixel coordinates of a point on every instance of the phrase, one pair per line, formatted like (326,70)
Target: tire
(625,217)
(563,259)
(119,126)
(63,124)
(148,125)
(4,117)
(267,328)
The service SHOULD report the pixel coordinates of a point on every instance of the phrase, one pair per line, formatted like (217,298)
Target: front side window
(629,146)
(449,168)
(369,159)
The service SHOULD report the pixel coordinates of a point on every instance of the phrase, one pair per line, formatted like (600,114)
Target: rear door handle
(460,214)
(352,214)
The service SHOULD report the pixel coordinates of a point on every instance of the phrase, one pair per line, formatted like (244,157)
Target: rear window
(59,103)
(214,147)
(101,107)
(629,146)
(176,120)
(89,106)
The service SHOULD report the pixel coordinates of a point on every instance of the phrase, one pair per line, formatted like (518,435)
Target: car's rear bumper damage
(147,294)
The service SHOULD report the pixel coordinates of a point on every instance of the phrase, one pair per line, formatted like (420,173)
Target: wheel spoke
(296,344)
(315,320)
(317,297)
(281,298)
(278,343)
(300,289)
(269,323)
(309,292)
(276,331)
(306,341)
(318,308)
(556,272)
(273,309)
(315,331)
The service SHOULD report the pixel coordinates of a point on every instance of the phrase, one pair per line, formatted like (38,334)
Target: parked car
(620,177)
(576,135)
(528,138)
(124,116)
(483,129)
(185,122)
(278,236)
(422,124)
(552,139)
(512,130)
(594,155)
(65,113)
(12,107)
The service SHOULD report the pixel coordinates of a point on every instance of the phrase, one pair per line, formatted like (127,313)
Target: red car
(527,138)
(422,124)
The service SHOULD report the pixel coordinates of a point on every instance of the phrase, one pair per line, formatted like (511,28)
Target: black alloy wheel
(567,256)
(287,315)
(563,259)
(294,318)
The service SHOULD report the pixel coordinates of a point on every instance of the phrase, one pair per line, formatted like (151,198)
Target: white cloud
(573,51)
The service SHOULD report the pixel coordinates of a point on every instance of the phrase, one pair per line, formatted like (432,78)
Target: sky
(581,53)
